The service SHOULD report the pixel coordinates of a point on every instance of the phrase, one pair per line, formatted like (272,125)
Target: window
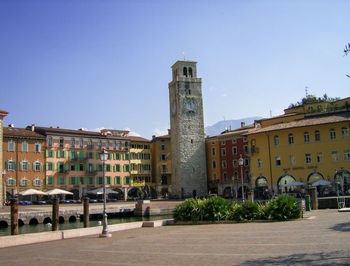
(81,180)
(224,164)
(146,147)
(24,182)
(259,163)
(49,166)
(99,145)
(139,146)
(72,180)
(11,165)
(100,180)
(318,157)
(223,152)
(107,145)
(223,142)
(234,150)
(234,163)
(50,153)
(49,180)
(108,167)
(246,162)
(61,180)
(49,141)
(25,146)
(114,145)
(245,147)
(37,166)
(164,180)
(37,182)
(72,142)
(10,181)
(11,146)
(234,141)
(61,142)
(72,167)
(276,140)
(308,158)
(37,147)
(245,139)
(90,146)
(332,134)
(334,155)
(163,168)
(61,154)
(61,167)
(213,151)
(235,175)
(225,177)
(292,160)
(90,155)
(306,137)
(344,133)
(214,164)
(24,166)
(317,135)
(91,180)
(346,155)
(117,180)
(81,143)
(290,138)
(117,168)
(278,161)
(163,157)
(108,180)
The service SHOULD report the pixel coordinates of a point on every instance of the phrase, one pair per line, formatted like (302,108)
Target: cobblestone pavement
(321,239)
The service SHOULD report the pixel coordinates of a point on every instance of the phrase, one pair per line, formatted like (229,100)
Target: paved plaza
(321,239)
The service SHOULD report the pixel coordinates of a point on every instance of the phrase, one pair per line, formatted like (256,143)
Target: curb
(33,238)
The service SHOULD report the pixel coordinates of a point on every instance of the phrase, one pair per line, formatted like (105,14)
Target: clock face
(189,105)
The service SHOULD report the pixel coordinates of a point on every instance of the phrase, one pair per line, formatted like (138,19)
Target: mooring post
(55,212)
(86,212)
(14,216)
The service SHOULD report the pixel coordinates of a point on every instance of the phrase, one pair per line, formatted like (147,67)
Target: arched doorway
(284,180)
(261,185)
(314,177)
(342,181)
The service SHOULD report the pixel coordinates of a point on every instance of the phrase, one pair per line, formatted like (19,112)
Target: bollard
(14,217)
(55,212)
(314,200)
(86,212)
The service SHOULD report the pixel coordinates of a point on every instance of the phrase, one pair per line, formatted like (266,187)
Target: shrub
(189,210)
(245,211)
(216,209)
(283,208)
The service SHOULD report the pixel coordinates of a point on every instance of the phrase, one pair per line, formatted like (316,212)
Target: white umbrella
(58,191)
(31,191)
(321,183)
(99,191)
(294,184)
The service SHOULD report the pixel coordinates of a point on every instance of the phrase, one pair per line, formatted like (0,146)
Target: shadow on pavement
(323,258)
(343,227)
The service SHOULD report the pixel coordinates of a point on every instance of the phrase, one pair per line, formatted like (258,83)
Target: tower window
(190,72)
(185,72)
(191,141)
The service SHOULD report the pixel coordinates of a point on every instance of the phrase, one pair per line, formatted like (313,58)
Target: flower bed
(216,209)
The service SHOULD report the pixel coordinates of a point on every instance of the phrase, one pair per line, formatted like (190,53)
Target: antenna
(184,54)
(270,113)
(306,92)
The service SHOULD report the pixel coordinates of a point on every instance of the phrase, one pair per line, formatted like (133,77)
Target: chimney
(32,128)
(242,124)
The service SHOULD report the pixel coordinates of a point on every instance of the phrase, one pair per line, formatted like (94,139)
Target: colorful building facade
(213,164)
(23,160)
(2,173)
(161,165)
(302,145)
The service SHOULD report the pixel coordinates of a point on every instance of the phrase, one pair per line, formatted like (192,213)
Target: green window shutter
(64,180)
(64,154)
(81,155)
(64,166)
(96,155)
(70,180)
(53,166)
(58,166)
(69,154)
(47,166)
(86,181)
(47,153)
(46,180)
(77,167)
(58,154)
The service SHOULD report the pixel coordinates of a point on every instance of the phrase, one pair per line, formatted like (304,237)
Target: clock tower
(188,159)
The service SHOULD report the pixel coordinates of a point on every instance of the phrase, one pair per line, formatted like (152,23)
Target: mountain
(220,126)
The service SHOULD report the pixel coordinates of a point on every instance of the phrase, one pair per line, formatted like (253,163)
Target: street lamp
(4,189)
(104,157)
(240,162)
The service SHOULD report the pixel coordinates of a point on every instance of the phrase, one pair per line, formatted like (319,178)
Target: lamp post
(4,189)
(103,157)
(233,178)
(240,162)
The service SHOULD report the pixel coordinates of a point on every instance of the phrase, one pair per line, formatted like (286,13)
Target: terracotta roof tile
(21,133)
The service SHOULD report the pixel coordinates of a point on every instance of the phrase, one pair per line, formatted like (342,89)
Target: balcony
(91,172)
(77,159)
(61,171)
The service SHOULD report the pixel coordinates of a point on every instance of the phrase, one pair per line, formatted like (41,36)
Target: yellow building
(161,165)
(213,163)
(303,145)
(140,166)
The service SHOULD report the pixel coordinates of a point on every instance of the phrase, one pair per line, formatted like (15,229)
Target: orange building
(213,164)
(23,160)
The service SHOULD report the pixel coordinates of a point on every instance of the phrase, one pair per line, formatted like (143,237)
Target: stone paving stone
(322,239)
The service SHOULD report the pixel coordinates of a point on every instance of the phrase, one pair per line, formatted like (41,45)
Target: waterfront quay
(321,238)
(31,214)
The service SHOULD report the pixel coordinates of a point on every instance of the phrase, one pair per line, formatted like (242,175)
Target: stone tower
(189,176)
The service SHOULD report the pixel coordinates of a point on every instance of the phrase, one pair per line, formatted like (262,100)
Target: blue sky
(106,63)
